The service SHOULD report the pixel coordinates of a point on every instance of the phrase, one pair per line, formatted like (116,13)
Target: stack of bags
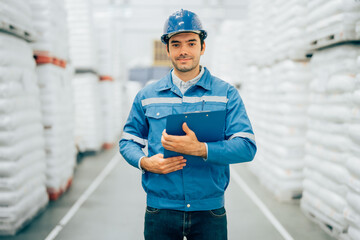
(88,120)
(16,17)
(288,28)
(330,21)
(82,40)
(49,19)
(352,212)
(275,92)
(231,52)
(257,50)
(83,56)
(275,31)
(22,155)
(107,90)
(58,120)
(328,146)
(51,50)
(277,103)
(105,26)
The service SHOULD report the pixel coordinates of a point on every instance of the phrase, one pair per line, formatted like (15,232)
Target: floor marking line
(285,234)
(94,185)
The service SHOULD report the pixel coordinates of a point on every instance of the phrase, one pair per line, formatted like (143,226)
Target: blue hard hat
(182,21)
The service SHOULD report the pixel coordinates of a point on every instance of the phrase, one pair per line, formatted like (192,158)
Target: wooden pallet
(108,146)
(328,225)
(44,57)
(16,31)
(333,40)
(54,194)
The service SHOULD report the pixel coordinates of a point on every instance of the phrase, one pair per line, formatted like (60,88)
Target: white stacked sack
(225,56)
(88,115)
(58,120)
(22,155)
(276,99)
(105,26)
(275,31)
(83,56)
(83,53)
(16,17)
(352,212)
(330,21)
(56,93)
(107,91)
(328,143)
(50,22)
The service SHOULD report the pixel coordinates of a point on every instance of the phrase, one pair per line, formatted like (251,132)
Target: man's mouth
(184,58)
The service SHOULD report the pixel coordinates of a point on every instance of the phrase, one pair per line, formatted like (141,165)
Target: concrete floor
(115,210)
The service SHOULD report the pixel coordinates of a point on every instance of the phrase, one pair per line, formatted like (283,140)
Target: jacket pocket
(158,112)
(214,106)
(156,117)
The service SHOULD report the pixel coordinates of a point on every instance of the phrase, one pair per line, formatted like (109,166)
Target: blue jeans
(162,224)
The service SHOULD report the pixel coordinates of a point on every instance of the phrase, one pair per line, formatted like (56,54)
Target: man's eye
(175,45)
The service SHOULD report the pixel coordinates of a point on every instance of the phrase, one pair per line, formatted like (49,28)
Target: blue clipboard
(208,126)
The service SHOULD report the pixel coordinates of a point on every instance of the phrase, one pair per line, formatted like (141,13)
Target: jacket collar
(204,82)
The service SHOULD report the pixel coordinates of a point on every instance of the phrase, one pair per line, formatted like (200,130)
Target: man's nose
(183,50)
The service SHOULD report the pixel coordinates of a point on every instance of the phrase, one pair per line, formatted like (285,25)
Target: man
(185,196)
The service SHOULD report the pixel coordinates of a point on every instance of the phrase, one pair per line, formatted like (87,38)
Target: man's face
(185,51)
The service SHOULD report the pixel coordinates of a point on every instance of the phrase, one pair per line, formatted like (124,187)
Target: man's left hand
(187,144)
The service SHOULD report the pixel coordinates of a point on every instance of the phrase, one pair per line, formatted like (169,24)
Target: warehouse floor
(101,206)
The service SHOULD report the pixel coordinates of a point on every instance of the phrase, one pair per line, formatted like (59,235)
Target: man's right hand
(161,165)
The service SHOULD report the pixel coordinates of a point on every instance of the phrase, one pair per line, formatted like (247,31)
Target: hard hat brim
(166,37)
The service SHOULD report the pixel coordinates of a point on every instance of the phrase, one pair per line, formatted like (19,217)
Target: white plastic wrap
(58,121)
(83,48)
(354,233)
(22,155)
(50,23)
(88,116)
(276,99)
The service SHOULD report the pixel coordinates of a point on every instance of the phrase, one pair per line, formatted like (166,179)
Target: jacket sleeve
(239,145)
(135,134)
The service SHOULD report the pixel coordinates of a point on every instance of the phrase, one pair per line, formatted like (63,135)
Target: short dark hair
(201,36)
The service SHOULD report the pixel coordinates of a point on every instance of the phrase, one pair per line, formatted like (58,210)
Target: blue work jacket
(201,184)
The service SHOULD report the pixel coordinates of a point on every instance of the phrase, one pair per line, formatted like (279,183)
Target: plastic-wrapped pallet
(56,93)
(275,31)
(58,120)
(88,115)
(108,107)
(16,17)
(105,26)
(230,52)
(328,144)
(352,212)
(83,47)
(50,22)
(331,21)
(276,99)
(83,56)
(22,156)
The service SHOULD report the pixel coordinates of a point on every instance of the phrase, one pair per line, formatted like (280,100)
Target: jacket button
(157,114)
(188,205)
